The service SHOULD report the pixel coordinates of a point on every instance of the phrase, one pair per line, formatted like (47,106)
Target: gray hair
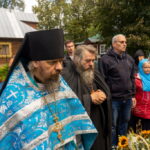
(31,67)
(80,50)
(114,39)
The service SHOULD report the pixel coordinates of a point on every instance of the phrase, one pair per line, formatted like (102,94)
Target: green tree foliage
(3,72)
(129,17)
(76,17)
(82,18)
(51,13)
(12,4)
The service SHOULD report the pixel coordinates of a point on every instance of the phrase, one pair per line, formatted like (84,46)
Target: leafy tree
(51,13)
(12,4)
(129,17)
(82,17)
(76,17)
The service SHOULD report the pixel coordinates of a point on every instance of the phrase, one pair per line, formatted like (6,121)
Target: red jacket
(142,108)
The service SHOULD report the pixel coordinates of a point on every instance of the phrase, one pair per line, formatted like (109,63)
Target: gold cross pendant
(57,128)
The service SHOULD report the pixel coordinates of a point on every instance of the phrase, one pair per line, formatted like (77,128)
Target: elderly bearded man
(38,110)
(93,92)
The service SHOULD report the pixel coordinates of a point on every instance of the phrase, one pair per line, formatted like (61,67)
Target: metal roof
(95,38)
(11,25)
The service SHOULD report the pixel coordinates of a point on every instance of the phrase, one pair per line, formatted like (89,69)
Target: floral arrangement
(134,141)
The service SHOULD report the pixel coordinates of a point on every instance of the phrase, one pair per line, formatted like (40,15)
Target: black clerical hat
(43,45)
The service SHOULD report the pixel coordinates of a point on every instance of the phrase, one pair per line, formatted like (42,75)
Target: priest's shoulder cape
(26,121)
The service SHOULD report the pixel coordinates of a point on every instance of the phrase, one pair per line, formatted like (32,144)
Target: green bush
(3,72)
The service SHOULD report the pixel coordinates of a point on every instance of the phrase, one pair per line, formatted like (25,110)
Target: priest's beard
(52,85)
(86,75)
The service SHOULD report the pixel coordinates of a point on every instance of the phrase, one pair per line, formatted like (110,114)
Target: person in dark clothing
(118,70)
(93,92)
(139,55)
(70,48)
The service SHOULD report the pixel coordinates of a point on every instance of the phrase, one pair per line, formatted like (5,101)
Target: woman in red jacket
(142,81)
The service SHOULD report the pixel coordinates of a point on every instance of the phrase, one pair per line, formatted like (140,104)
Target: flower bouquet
(134,141)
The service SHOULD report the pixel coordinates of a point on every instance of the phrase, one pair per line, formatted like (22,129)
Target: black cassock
(99,114)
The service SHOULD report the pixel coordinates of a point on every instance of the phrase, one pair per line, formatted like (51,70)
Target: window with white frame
(5,49)
(102,49)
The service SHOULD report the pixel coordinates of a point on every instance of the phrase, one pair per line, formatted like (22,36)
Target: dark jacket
(119,74)
(67,60)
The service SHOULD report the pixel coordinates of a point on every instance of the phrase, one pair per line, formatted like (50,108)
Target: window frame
(9,50)
(100,49)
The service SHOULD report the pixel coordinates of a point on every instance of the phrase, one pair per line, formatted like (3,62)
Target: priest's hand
(98,97)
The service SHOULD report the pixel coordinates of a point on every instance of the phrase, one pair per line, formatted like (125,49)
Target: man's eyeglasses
(122,42)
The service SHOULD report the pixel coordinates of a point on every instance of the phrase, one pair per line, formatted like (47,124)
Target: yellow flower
(123,142)
(145,133)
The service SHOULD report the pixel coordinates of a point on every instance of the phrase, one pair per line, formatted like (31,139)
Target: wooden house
(13,26)
(96,41)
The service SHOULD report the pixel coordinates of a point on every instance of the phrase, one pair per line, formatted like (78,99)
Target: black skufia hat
(39,45)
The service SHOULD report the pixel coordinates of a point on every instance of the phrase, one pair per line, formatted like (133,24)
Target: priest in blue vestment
(38,110)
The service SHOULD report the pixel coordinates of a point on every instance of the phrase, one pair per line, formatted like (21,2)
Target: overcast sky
(28,5)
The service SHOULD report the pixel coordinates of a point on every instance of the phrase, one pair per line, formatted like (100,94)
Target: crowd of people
(57,102)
